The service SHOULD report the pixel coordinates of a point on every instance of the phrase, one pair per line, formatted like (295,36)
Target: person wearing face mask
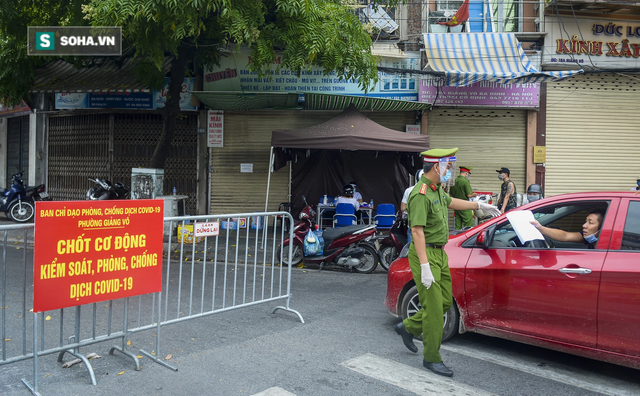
(637,187)
(589,234)
(356,195)
(534,192)
(428,220)
(508,193)
(462,190)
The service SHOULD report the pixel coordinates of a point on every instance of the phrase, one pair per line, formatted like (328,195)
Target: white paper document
(521,222)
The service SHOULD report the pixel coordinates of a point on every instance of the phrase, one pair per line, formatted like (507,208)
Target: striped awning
(106,75)
(341,102)
(467,58)
(239,101)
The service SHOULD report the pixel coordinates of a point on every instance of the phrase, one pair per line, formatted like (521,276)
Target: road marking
(275,391)
(419,381)
(591,381)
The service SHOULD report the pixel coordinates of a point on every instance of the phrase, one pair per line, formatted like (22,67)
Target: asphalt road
(346,347)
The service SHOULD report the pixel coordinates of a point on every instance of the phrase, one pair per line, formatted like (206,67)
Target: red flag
(461,16)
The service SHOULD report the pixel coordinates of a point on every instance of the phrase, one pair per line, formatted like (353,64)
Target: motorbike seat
(331,234)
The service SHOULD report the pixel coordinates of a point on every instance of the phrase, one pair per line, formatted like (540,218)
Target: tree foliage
(195,33)
(310,32)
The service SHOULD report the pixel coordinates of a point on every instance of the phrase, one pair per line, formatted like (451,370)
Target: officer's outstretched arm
(461,204)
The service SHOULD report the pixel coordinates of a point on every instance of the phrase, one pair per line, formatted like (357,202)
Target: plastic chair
(385,216)
(345,215)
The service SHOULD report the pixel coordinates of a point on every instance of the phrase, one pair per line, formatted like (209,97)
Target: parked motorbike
(103,190)
(389,246)
(37,193)
(16,204)
(346,247)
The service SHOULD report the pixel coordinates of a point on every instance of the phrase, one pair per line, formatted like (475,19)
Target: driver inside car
(589,234)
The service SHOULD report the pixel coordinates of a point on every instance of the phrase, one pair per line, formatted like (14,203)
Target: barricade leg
(125,330)
(150,356)
(34,389)
(286,307)
(76,351)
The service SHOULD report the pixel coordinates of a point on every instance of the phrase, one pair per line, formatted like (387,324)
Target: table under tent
(349,147)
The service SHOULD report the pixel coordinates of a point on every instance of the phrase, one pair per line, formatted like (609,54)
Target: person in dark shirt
(589,234)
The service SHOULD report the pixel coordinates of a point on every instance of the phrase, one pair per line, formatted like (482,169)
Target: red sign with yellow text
(91,251)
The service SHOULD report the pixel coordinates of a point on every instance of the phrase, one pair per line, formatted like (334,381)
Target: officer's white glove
(489,209)
(425,275)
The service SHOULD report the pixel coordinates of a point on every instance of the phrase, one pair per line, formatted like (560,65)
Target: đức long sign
(92,251)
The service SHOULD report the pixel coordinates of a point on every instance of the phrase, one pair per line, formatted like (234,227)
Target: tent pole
(290,174)
(266,200)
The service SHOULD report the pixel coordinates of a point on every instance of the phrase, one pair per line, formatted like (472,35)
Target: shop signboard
(593,43)
(482,94)
(215,128)
(233,75)
(92,251)
(125,100)
(13,111)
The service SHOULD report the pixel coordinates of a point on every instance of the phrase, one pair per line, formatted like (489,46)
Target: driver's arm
(558,235)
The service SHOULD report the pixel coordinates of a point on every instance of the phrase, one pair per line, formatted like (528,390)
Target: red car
(556,295)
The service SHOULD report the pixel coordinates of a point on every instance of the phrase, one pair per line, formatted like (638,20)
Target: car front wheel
(411,305)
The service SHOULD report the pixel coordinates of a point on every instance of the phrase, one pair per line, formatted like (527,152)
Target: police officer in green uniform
(462,190)
(428,220)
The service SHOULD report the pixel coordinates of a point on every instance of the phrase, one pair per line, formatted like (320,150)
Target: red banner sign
(91,251)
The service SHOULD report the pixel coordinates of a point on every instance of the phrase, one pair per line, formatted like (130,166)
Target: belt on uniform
(431,245)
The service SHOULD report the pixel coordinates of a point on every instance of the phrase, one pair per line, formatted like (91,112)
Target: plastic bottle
(318,233)
(371,203)
(324,201)
(175,192)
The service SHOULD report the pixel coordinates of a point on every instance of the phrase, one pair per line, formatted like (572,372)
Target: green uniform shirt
(461,189)
(429,210)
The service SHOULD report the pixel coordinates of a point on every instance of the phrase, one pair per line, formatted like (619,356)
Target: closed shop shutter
(79,149)
(593,134)
(487,140)
(17,148)
(247,140)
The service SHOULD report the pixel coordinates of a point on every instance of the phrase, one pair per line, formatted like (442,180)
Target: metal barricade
(238,268)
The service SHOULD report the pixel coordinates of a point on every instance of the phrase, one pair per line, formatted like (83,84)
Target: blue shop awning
(467,58)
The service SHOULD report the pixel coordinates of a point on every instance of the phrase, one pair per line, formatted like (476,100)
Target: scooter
(103,190)
(16,204)
(347,247)
(389,246)
(37,193)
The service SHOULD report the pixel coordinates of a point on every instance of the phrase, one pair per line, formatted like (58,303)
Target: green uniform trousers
(436,300)
(463,218)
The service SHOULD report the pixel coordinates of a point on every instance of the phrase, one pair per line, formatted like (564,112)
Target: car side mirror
(485,237)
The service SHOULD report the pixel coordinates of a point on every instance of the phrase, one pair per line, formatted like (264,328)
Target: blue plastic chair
(385,216)
(345,215)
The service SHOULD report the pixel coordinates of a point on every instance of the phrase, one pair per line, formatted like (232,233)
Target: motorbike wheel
(296,255)
(369,261)
(387,255)
(411,305)
(21,212)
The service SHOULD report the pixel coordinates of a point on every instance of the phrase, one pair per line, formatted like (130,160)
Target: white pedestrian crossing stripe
(589,381)
(275,391)
(419,381)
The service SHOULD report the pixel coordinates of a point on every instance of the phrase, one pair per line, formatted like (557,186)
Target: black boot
(407,337)
(438,368)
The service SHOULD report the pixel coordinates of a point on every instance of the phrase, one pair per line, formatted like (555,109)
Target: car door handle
(575,270)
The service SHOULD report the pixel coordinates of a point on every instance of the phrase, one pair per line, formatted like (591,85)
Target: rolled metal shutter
(592,120)
(487,140)
(247,139)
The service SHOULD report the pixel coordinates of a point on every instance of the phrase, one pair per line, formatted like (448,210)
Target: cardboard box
(187,234)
